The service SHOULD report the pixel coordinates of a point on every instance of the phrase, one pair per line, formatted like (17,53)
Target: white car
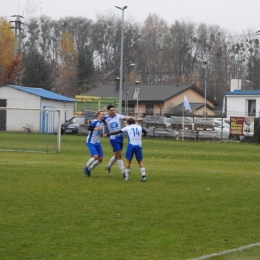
(223,121)
(222,131)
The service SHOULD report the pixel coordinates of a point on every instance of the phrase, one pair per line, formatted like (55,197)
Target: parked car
(223,132)
(72,125)
(224,121)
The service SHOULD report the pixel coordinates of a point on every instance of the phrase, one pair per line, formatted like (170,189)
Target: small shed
(242,103)
(12,96)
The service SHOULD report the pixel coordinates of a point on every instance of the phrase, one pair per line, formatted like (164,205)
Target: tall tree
(37,70)
(182,50)
(85,69)
(66,79)
(151,47)
(6,44)
(81,29)
(106,42)
(11,72)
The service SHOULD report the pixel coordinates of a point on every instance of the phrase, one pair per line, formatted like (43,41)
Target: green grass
(28,142)
(200,198)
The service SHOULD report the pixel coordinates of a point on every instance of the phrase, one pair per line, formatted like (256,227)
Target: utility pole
(17,40)
(121,62)
(18,34)
(205,65)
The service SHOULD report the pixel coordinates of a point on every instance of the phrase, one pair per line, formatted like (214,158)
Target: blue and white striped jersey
(113,124)
(134,134)
(94,136)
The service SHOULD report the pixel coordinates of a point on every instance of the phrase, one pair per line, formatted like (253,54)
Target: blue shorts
(117,145)
(95,149)
(134,150)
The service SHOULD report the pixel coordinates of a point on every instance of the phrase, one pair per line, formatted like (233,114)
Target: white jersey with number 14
(134,134)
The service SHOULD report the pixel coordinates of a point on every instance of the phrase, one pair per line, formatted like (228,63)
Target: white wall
(238,105)
(67,108)
(16,119)
(18,98)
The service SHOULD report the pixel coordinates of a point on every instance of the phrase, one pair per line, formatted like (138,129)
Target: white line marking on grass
(226,252)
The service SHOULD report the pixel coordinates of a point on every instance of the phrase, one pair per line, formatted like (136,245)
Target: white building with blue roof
(12,96)
(242,103)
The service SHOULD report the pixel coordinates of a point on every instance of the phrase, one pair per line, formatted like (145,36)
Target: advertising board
(242,126)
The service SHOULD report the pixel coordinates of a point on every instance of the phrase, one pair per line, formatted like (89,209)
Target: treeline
(74,54)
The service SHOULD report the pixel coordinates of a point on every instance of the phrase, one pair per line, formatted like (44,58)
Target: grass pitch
(200,198)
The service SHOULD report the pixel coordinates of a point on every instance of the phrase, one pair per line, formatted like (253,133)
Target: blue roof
(243,93)
(43,93)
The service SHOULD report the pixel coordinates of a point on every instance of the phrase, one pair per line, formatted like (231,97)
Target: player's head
(100,114)
(111,110)
(130,121)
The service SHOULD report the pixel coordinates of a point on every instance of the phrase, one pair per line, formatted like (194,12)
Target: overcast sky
(234,15)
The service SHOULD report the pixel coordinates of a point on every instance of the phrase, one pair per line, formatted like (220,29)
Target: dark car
(72,126)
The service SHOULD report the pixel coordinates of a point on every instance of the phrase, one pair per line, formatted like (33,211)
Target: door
(48,120)
(3,103)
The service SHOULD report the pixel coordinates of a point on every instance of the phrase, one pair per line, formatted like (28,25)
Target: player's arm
(136,119)
(126,118)
(144,132)
(114,133)
(93,127)
(105,129)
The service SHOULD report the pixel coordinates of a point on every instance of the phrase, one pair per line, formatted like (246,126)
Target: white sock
(121,166)
(112,161)
(127,172)
(90,161)
(142,170)
(94,165)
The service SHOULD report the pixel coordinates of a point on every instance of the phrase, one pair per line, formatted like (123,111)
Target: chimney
(235,84)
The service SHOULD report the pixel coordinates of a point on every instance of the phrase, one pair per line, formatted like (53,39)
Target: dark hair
(110,106)
(130,121)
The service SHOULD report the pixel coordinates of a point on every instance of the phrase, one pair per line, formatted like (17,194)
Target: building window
(149,110)
(131,110)
(251,107)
